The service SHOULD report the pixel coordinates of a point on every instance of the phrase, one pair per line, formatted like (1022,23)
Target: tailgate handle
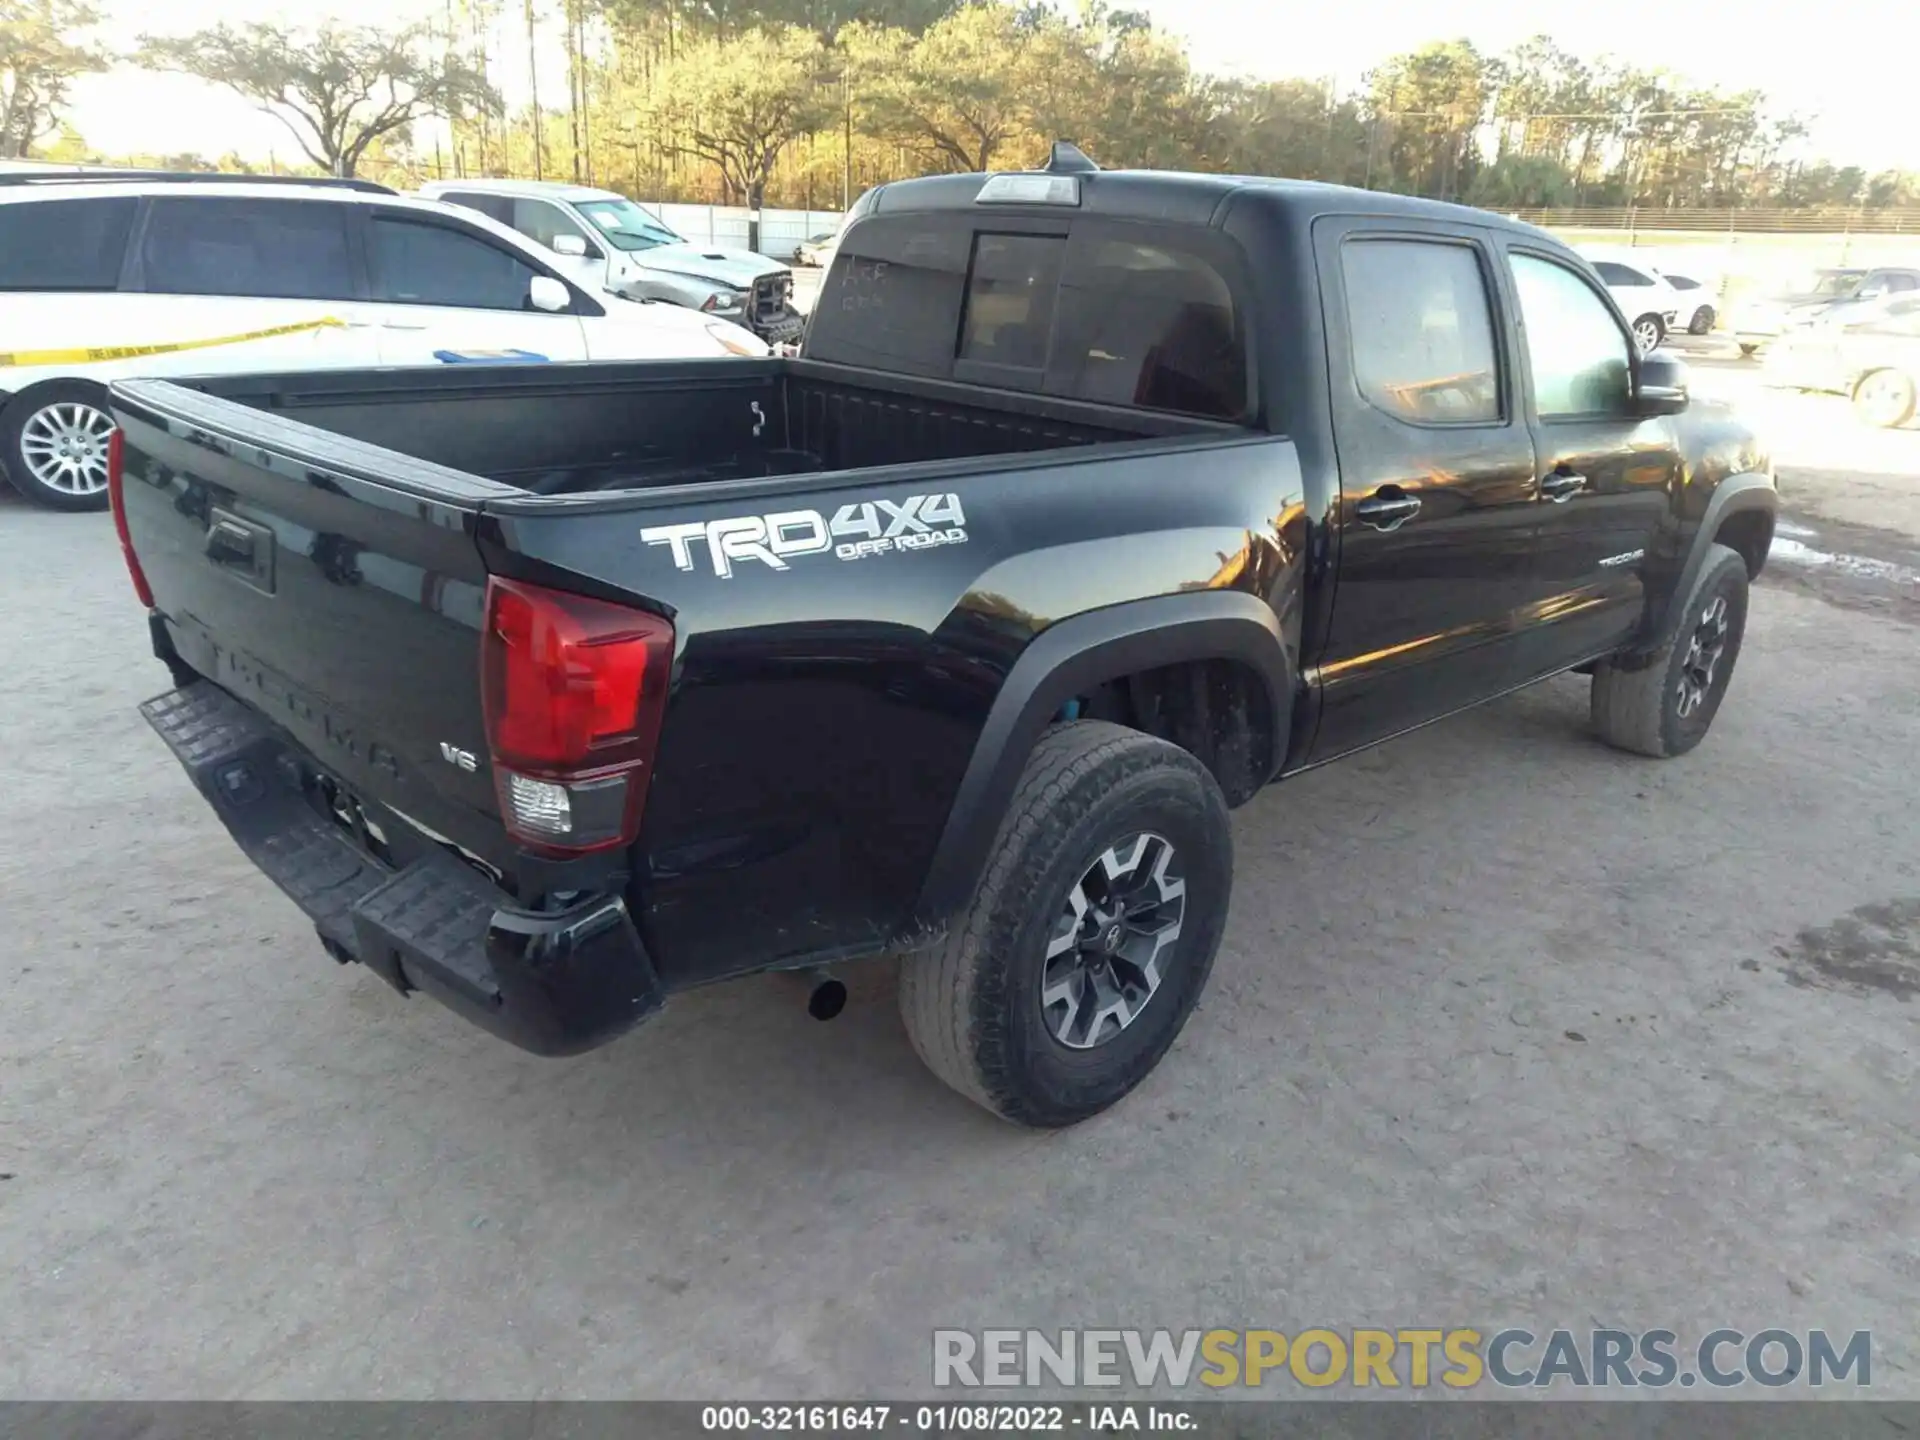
(228,541)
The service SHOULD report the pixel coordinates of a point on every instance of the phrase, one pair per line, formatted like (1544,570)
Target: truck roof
(551,189)
(1183,197)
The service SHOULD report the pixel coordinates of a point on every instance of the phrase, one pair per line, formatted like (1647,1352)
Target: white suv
(103,278)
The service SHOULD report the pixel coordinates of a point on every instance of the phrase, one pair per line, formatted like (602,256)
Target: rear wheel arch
(1215,664)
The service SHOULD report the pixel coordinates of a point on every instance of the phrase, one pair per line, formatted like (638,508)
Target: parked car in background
(625,250)
(1847,294)
(1874,361)
(1698,301)
(103,278)
(817,251)
(1652,306)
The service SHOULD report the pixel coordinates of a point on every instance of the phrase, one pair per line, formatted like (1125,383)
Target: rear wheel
(1648,332)
(1885,398)
(1091,935)
(1749,348)
(1702,321)
(54,445)
(1664,706)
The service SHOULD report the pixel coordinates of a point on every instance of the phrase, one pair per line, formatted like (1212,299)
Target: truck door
(1437,483)
(1606,475)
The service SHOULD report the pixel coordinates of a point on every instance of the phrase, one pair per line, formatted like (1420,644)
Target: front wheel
(1091,935)
(1648,332)
(1885,398)
(1662,704)
(53,445)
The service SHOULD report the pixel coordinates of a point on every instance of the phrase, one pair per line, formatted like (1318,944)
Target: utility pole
(533,80)
(846,156)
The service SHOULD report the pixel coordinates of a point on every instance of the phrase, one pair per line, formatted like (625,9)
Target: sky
(1847,65)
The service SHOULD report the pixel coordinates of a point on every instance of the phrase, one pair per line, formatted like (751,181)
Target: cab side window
(1421,331)
(1579,356)
(545,222)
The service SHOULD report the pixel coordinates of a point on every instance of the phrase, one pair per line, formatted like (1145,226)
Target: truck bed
(586,429)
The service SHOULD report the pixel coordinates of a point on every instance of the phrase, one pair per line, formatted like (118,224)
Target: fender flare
(1068,659)
(1749,490)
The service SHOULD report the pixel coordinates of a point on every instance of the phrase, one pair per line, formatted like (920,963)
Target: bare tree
(338,90)
(39,57)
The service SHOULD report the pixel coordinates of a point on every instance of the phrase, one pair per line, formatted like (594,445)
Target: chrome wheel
(1111,942)
(64,447)
(1646,333)
(1704,650)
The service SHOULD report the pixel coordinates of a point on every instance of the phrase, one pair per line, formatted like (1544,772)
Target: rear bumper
(552,982)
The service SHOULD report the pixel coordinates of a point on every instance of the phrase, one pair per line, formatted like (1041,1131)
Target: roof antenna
(1069,159)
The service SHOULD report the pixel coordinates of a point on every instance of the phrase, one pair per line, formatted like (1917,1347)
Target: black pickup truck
(1094,502)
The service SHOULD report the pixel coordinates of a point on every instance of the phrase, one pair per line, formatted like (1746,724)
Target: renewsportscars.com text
(1458,1358)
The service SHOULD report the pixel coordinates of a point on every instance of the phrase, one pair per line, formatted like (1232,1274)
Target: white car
(1652,306)
(1699,300)
(107,278)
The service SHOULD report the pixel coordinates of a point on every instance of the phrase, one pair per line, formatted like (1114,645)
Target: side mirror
(547,293)
(1873,294)
(1665,385)
(569,245)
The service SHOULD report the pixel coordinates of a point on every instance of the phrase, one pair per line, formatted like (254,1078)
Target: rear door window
(281,249)
(422,263)
(1422,330)
(64,244)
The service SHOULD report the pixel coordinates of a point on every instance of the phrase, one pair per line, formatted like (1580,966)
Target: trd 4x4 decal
(856,532)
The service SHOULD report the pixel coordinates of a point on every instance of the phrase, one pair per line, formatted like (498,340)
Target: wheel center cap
(1110,940)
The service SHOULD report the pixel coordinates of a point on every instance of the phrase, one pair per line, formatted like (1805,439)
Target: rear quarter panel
(824,712)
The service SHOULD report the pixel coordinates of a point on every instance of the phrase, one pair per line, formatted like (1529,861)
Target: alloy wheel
(1705,649)
(1112,942)
(64,447)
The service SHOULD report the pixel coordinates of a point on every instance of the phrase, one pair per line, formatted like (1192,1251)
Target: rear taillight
(116,471)
(575,690)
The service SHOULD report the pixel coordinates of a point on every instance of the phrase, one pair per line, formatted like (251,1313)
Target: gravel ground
(1507,1028)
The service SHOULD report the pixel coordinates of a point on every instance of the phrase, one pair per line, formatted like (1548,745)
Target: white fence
(781,231)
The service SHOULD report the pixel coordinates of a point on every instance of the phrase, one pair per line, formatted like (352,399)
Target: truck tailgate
(333,588)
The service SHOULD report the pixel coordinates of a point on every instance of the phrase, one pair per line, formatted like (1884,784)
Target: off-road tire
(972,1004)
(1638,708)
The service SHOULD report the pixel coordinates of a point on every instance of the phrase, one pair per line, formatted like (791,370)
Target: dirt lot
(1508,1028)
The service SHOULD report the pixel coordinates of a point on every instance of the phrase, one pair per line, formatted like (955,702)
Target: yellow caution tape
(136,352)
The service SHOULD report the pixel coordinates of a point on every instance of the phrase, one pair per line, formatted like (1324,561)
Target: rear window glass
(1152,326)
(1010,299)
(893,299)
(1101,315)
(63,244)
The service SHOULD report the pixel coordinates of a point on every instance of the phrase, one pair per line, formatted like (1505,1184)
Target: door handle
(1562,485)
(391,325)
(228,542)
(1387,509)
